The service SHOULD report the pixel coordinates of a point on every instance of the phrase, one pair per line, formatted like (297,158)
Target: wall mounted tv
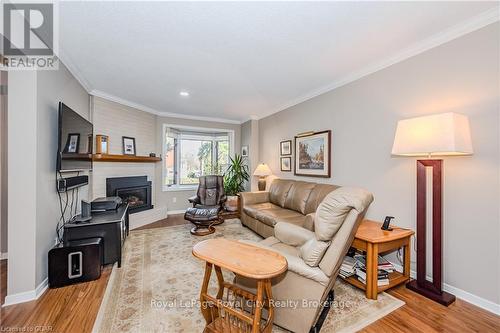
(75,141)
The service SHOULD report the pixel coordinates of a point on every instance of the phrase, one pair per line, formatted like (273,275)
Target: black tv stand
(112,226)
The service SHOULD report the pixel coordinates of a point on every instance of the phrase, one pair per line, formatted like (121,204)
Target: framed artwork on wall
(128,145)
(286,147)
(313,154)
(286,163)
(244,151)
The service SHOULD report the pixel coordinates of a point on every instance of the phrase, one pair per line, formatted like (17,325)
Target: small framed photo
(72,143)
(286,147)
(128,145)
(286,163)
(244,151)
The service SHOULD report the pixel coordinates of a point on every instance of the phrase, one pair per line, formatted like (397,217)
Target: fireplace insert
(136,191)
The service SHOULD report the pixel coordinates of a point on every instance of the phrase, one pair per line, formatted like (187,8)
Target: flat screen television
(75,141)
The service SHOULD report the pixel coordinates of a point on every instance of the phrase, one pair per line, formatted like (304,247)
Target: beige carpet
(157,287)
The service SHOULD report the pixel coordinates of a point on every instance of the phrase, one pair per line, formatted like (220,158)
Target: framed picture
(128,145)
(72,143)
(286,147)
(312,154)
(244,151)
(286,163)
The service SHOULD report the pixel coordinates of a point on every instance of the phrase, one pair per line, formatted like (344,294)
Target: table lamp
(446,134)
(262,172)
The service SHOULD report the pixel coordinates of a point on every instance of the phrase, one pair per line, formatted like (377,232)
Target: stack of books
(356,266)
(348,267)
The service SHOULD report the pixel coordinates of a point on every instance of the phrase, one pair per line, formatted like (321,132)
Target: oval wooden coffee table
(227,312)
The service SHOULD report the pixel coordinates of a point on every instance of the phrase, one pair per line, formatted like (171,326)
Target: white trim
(145,108)
(27,295)
(178,211)
(475,23)
(179,188)
(4,256)
(462,294)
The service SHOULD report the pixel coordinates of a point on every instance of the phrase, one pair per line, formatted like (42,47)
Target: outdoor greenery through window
(191,154)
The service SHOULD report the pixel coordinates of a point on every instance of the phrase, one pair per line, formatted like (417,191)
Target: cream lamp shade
(262,170)
(445,134)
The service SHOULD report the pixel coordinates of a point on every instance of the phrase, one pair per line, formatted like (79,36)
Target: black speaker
(74,262)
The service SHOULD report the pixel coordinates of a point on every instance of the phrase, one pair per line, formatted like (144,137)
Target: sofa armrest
(251,198)
(292,234)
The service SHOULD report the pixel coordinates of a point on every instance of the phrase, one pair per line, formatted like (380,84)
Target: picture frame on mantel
(128,145)
(313,154)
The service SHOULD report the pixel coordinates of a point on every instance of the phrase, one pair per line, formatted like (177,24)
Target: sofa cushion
(279,190)
(291,234)
(334,208)
(317,195)
(300,221)
(297,196)
(312,251)
(252,210)
(272,215)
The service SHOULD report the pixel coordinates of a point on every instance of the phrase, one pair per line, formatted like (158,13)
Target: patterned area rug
(157,287)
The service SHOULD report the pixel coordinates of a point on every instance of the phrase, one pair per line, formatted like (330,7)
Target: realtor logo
(28,36)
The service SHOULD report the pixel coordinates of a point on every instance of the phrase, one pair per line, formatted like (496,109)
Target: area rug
(157,287)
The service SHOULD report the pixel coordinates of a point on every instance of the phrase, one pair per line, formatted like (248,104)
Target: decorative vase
(232,203)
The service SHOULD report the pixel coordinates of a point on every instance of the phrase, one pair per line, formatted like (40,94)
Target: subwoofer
(74,262)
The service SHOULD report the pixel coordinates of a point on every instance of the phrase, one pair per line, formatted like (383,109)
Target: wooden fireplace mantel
(124,158)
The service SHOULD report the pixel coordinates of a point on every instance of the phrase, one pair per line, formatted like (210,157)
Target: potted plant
(234,180)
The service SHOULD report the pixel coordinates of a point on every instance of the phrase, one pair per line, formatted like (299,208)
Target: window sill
(180,188)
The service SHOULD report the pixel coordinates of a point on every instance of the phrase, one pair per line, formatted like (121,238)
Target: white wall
(3,166)
(22,160)
(460,76)
(116,120)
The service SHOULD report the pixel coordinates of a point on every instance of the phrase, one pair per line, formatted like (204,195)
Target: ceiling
(247,59)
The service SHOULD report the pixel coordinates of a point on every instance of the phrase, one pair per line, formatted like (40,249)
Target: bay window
(193,152)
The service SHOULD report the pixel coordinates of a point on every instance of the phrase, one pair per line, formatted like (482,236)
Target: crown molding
(73,69)
(475,23)
(141,107)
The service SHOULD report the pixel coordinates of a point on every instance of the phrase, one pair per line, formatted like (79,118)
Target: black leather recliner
(207,203)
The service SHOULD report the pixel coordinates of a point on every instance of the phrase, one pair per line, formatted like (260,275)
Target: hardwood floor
(73,309)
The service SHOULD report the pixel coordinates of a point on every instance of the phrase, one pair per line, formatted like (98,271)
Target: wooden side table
(373,240)
(246,260)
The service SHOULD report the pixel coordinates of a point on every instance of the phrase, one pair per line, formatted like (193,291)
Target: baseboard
(462,294)
(27,295)
(4,256)
(179,211)
(147,217)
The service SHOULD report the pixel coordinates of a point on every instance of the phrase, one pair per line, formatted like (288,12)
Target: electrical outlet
(174,199)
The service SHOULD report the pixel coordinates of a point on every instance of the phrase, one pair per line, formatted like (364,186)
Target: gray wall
(33,208)
(460,76)
(52,87)
(166,198)
(250,138)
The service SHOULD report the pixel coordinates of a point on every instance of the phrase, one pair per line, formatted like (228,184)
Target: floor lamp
(446,134)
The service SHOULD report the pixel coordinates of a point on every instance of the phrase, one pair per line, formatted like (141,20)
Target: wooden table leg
(220,279)
(269,296)
(204,289)
(258,306)
(372,271)
(406,260)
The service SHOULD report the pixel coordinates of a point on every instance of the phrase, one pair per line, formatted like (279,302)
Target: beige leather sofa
(287,200)
(314,247)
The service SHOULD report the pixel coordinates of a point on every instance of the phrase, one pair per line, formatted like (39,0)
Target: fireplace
(136,191)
